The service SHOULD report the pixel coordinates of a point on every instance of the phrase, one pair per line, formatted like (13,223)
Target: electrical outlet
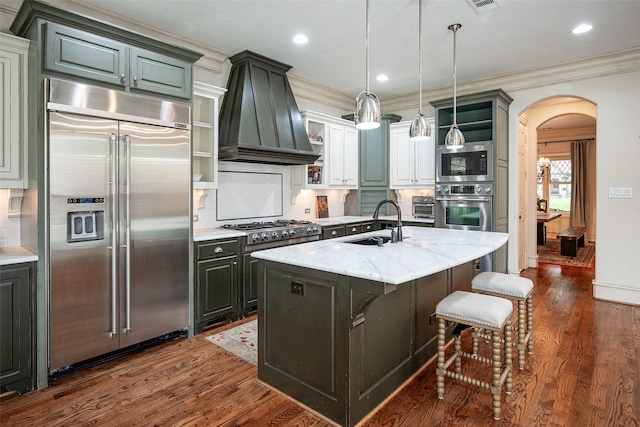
(297,288)
(195,218)
(307,210)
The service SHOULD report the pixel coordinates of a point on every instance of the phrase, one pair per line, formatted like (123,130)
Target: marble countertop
(215,234)
(16,255)
(424,251)
(203,234)
(337,220)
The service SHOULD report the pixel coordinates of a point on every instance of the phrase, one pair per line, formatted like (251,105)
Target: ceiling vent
(482,6)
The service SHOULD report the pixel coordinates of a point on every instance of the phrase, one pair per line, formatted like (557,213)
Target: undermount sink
(373,240)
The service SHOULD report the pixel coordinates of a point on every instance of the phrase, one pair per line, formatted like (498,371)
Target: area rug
(241,341)
(550,254)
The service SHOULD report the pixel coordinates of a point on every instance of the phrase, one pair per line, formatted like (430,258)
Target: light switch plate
(620,192)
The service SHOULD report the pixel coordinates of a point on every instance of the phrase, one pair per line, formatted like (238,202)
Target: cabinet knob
(122,76)
(333,233)
(218,250)
(135,80)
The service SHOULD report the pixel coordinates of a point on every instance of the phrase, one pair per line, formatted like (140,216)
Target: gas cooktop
(282,232)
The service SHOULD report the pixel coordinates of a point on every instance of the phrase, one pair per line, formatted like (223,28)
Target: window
(555,185)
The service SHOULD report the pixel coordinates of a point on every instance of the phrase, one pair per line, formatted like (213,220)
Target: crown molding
(322,94)
(621,62)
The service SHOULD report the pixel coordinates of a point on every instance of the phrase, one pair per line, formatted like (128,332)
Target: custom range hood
(259,119)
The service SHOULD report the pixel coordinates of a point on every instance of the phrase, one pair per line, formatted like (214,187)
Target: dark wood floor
(585,372)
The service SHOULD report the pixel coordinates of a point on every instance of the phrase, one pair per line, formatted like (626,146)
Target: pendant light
(367,114)
(420,129)
(454,138)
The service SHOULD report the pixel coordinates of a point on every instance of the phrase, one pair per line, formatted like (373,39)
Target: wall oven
(465,207)
(468,163)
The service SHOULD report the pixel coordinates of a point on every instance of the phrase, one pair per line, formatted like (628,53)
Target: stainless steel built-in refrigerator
(118,201)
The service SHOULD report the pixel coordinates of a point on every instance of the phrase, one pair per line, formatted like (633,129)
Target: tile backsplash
(9,227)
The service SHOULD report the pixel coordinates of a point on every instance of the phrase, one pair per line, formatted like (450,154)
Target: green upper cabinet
(154,72)
(81,54)
(77,47)
(88,56)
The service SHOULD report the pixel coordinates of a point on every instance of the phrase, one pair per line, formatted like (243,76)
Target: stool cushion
(480,309)
(504,284)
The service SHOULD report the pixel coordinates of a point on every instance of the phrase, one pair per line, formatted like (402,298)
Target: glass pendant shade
(367,114)
(420,129)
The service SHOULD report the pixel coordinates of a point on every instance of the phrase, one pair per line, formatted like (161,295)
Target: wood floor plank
(585,371)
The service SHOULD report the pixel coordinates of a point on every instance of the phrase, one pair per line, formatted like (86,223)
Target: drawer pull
(334,233)
(218,250)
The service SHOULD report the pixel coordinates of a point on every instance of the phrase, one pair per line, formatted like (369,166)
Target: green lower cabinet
(16,331)
(333,231)
(249,285)
(341,345)
(216,273)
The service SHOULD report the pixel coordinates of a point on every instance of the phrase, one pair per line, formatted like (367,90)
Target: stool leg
(440,366)
(530,323)
(457,361)
(497,369)
(507,355)
(474,341)
(522,333)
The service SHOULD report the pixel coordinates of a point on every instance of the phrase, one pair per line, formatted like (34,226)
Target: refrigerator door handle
(113,140)
(127,234)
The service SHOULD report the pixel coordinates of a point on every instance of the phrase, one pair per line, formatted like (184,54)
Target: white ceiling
(518,35)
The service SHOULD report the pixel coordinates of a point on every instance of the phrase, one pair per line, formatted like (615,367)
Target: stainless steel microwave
(468,163)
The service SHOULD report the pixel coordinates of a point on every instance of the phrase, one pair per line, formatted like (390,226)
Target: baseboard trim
(616,293)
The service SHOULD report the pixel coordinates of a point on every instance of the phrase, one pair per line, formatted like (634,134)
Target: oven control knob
(478,189)
(285,233)
(292,232)
(255,237)
(265,236)
(274,234)
(309,230)
(445,189)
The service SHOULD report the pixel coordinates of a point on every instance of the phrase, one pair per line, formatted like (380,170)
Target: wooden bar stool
(477,311)
(515,288)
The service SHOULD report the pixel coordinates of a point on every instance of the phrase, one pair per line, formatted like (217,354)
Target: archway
(555,121)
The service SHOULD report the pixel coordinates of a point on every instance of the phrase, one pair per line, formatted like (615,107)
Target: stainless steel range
(271,234)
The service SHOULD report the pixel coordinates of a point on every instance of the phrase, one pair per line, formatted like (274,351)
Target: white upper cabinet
(336,141)
(412,162)
(343,156)
(13,111)
(205,135)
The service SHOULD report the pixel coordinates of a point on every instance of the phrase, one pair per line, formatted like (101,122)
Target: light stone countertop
(337,220)
(16,255)
(215,234)
(423,252)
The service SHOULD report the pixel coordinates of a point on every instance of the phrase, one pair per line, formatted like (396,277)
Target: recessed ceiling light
(382,78)
(300,39)
(582,28)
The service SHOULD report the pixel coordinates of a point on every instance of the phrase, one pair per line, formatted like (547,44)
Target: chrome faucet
(398,234)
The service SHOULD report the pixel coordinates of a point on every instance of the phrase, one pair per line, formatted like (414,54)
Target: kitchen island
(342,325)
